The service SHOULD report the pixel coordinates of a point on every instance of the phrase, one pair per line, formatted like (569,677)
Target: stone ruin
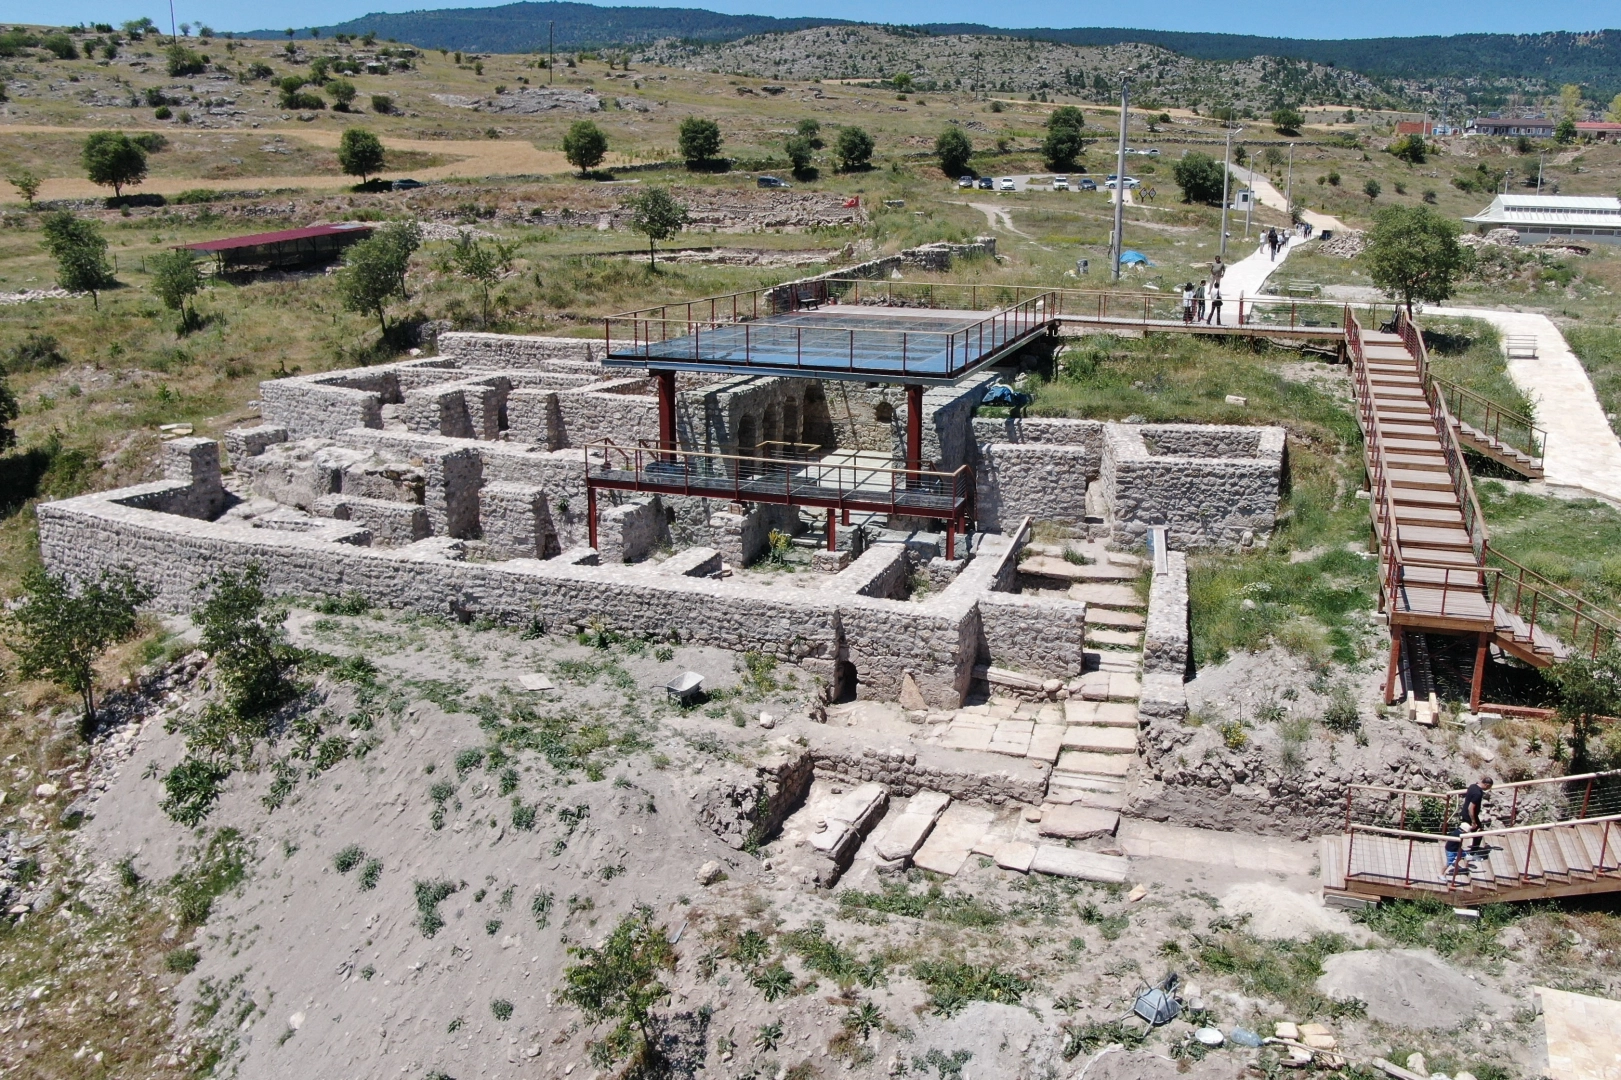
(456,485)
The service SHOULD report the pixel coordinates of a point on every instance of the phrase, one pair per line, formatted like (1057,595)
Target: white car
(1131,182)
(1006,184)
(1060,183)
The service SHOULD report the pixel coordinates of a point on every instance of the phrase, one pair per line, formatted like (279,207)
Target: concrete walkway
(1271,197)
(1583,452)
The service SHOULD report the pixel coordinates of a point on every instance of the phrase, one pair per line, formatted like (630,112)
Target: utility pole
(1118,247)
(174,35)
(1226,187)
(551,56)
(1539,171)
(1289,187)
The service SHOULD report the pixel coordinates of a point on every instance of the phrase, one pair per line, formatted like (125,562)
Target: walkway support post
(832,531)
(666,383)
(1394,669)
(914,433)
(591,513)
(1480,671)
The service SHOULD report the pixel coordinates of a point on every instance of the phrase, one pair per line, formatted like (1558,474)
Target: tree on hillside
(1287,120)
(1200,178)
(360,153)
(181,61)
(9,411)
(800,154)
(1411,149)
(1413,254)
(953,148)
(620,982)
(26,183)
(1589,689)
(176,279)
(1063,143)
(342,92)
(853,149)
(699,141)
(811,129)
(80,252)
(585,146)
(656,215)
(1372,190)
(373,271)
(112,159)
(483,264)
(58,632)
(1614,113)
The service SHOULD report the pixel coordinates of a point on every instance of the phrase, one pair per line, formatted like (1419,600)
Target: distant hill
(521,27)
(1592,59)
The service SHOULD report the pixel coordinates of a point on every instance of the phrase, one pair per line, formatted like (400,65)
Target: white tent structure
(1541,217)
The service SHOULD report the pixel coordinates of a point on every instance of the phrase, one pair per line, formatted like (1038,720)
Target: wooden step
(1574,852)
(1427,481)
(1426,536)
(1501,868)
(1424,497)
(1545,843)
(1522,856)
(1601,848)
(1435,462)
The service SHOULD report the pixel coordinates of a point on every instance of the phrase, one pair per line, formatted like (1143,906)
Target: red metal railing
(1391,854)
(1503,426)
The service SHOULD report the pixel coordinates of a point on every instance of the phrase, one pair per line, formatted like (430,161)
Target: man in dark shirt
(1472,800)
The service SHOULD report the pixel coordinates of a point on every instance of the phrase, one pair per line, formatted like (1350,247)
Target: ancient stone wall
(1044,481)
(497,352)
(615,411)
(1202,501)
(1033,633)
(1165,637)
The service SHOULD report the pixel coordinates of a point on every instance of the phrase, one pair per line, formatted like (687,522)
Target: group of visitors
(1202,303)
(1274,242)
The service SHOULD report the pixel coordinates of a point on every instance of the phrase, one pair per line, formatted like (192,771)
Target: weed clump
(349,858)
(221,865)
(620,983)
(953,985)
(429,895)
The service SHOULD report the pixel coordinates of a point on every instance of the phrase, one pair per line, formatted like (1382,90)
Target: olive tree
(585,146)
(176,279)
(954,149)
(1063,143)
(80,252)
(112,159)
(1200,178)
(853,149)
(360,153)
(373,271)
(1287,120)
(699,141)
(58,632)
(657,215)
(1413,254)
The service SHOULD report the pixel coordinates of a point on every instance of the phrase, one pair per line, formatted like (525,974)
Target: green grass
(1576,543)
(897,898)
(1306,607)
(216,868)
(953,985)
(1469,352)
(1284,971)
(1431,924)
(1599,349)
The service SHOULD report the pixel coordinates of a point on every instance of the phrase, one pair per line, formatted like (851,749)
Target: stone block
(1075,863)
(251,441)
(830,562)
(1081,761)
(693,562)
(1101,740)
(1076,822)
(517,522)
(1015,855)
(629,532)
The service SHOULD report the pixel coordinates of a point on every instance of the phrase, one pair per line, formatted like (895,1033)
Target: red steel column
(832,531)
(914,432)
(666,381)
(1481,657)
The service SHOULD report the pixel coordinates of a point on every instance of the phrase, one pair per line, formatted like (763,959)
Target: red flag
(851,204)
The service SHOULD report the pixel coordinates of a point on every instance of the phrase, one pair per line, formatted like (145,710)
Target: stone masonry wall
(1165,638)
(1033,633)
(1047,482)
(1202,501)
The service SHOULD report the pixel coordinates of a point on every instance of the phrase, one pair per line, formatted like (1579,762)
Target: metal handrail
(1514,790)
(1493,416)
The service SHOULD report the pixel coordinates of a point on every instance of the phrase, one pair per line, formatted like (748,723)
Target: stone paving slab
(953,839)
(1064,795)
(1074,822)
(1072,862)
(1122,714)
(1016,855)
(1012,743)
(1115,618)
(965,737)
(903,834)
(1064,570)
(1097,635)
(1046,742)
(1102,740)
(1105,595)
(1081,761)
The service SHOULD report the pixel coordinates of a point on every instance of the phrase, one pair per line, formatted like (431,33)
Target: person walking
(1456,863)
(1198,302)
(1474,799)
(1218,270)
(1215,304)
(1187,302)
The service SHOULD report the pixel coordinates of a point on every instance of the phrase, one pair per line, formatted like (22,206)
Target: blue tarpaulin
(1132,258)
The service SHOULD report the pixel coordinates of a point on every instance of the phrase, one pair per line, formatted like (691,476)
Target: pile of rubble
(1344,245)
(1495,238)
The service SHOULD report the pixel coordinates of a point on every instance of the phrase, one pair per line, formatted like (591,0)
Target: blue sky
(1290,18)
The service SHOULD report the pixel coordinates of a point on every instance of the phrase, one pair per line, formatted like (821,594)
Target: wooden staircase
(1437,571)
(1577,853)
(1488,429)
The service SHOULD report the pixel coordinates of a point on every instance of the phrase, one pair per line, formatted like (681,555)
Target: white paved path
(1582,450)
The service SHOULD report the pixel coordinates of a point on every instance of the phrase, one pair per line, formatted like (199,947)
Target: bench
(1302,288)
(807,298)
(1520,346)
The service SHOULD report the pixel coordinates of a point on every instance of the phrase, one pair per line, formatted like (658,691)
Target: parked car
(1006,184)
(965,181)
(1131,182)
(1086,183)
(408,185)
(771,182)
(1060,183)
(986,183)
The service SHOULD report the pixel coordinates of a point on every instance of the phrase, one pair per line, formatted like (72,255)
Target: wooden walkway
(1528,863)
(1229,329)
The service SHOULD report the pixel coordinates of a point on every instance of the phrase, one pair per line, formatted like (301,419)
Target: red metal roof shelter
(289,247)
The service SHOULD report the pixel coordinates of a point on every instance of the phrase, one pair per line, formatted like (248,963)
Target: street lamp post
(1117,248)
(1226,187)
(1289,187)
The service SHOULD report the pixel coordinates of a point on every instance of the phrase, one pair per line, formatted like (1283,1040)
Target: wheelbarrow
(685,688)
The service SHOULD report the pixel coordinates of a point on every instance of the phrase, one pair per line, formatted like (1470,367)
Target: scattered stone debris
(1344,245)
